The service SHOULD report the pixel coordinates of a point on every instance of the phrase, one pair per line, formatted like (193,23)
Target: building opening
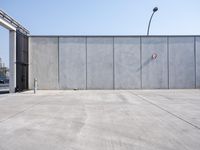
(4,60)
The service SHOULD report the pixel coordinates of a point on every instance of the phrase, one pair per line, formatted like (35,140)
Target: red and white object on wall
(154,56)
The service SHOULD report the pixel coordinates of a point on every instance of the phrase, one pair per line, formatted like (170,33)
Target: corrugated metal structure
(21,61)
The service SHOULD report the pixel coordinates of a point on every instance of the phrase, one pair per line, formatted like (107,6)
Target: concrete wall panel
(72,63)
(127,63)
(197,62)
(181,62)
(99,63)
(154,71)
(43,62)
(107,62)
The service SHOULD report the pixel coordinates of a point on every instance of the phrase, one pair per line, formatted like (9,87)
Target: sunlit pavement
(100,120)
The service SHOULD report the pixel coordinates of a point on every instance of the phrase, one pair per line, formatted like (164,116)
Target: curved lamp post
(154,10)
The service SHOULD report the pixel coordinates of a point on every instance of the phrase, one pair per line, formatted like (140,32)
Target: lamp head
(155,9)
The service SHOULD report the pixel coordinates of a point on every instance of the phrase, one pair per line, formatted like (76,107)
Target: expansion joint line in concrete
(195,62)
(20,112)
(174,115)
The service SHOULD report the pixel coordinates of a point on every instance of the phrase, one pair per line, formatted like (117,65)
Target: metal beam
(9,23)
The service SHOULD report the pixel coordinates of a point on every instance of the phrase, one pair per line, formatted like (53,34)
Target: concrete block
(72,62)
(127,63)
(154,71)
(43,62)
(181,62)
(100,63)
(198,62)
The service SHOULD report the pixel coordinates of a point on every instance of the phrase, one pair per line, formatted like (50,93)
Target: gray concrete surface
(181,62)
(12,60)
(197,62)
(100,63)
(154,71)
(127,63)
(114,62)
(43,62)
(72,63)
(101,120)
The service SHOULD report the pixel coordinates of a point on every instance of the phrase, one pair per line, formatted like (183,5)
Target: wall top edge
(114,36)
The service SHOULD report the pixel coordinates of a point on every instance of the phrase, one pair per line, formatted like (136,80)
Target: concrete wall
(154,71)
(97,62)
(181,62)
(43,62)
(127,63)
(100,63)
(72,63)
(197,62)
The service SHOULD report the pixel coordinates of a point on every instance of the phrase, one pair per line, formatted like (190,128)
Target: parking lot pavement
(101,120)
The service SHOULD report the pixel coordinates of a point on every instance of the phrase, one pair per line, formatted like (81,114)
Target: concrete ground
(101,120)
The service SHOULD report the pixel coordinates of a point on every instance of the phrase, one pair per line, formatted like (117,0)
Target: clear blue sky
(101,17)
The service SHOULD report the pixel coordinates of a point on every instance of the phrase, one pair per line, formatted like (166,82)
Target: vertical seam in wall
(141,62)
(113,63)
(168,60)
(195,62)
(58,62)
(28,63)
(86,60)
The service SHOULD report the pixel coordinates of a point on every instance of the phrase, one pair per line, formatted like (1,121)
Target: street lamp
(154,10)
